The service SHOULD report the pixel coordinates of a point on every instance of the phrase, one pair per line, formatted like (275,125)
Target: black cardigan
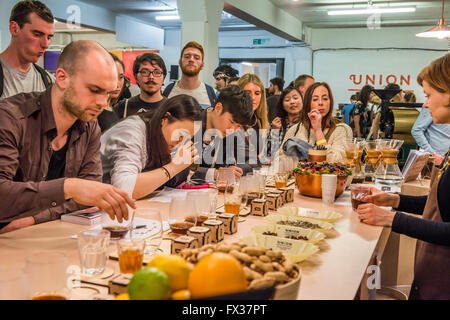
(426,230)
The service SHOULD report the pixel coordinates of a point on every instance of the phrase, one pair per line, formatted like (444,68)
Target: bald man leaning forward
(50,143)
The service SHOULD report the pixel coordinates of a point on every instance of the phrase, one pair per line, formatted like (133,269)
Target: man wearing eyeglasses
(149,71)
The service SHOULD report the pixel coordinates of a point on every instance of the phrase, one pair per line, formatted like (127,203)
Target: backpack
(209,90)
(44,75)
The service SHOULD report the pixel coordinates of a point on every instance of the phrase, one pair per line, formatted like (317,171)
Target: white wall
(340,53)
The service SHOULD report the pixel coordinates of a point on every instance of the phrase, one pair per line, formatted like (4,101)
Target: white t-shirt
(200,94)
(16,81)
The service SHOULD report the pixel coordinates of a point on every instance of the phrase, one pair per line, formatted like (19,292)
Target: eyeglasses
(147,73)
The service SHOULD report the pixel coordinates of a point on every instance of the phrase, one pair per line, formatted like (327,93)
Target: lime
(176,268)
(149,284)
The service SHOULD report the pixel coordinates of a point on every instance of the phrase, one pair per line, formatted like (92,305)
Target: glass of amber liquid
(131,255)
(235,199)
(280,180)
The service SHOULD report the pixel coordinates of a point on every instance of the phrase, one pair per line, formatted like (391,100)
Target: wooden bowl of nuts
(262,267)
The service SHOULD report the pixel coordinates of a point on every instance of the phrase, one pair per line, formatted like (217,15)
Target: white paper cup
(329,183)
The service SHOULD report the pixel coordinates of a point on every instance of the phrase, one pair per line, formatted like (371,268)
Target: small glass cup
(358,193)
(280,180)
(235,200)
(47,276)
(93,250)
(131,255)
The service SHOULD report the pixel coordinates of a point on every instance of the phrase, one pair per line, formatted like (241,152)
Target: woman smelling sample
(136,152)
(432,259)
(317,125)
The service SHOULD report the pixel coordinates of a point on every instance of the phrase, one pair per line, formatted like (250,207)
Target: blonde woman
(254,86)
(317,125)
(255,140)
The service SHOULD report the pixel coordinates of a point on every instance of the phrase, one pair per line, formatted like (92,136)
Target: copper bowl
(311,184)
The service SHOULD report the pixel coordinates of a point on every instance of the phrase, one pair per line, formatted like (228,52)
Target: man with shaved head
(50,143)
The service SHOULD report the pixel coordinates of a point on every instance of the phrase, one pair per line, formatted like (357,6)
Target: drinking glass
(47,276)
(13,284)
(235,200)
(148,226)
(93,250)
(202,204)
(118,229)
(280,180)
(131,255)
(358,193)
(182,216)
(225,176)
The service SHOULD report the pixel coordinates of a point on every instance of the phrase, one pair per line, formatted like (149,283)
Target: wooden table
(336,272)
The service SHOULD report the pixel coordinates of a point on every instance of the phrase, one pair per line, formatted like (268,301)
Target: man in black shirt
(149,71)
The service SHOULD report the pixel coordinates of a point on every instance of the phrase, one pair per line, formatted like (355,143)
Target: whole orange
(216,274)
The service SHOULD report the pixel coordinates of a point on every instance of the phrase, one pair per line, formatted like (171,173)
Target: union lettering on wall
(379,80)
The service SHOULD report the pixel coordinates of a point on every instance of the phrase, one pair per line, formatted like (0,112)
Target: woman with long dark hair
(361,115)
(432,259)
(287,113)
(317,125)
(143,152)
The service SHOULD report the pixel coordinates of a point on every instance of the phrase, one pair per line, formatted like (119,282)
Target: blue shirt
(432,137)
(346,111)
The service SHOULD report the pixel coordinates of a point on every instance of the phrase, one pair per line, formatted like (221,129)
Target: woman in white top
(136,152)
(317,125)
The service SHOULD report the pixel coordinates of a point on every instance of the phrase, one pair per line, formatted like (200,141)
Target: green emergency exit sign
(258,42)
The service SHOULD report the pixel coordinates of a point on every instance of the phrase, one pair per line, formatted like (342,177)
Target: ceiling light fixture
(370,11)
(159,18)
(441,31)
(247,64)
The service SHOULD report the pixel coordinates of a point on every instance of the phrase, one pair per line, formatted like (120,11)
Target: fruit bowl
(311,184)
(308,177)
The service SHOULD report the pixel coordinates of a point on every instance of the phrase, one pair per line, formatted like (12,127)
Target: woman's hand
(276,123)
(381,198)
(316,119)
(437,159)
(183,158)
(374,215)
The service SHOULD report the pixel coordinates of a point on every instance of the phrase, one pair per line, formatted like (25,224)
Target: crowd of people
(71,140)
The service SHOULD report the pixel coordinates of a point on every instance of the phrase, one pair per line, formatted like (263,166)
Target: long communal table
(338,271)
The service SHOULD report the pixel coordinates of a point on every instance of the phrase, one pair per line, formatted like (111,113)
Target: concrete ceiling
(313,13)
(144,10)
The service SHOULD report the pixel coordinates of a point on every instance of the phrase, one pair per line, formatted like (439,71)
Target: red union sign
(380,79)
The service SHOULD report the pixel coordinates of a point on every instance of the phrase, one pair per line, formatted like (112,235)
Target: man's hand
(374,215)
(101,195)
(381,198)
(18,224)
